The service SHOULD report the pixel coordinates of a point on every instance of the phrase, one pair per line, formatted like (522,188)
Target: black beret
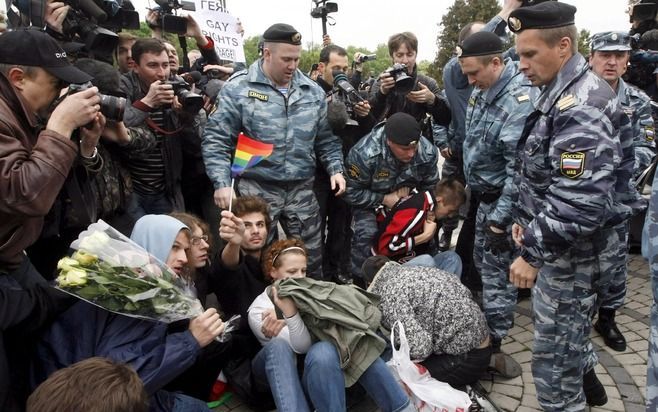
(282,33)
(545,15)
(482,43)
(403,129)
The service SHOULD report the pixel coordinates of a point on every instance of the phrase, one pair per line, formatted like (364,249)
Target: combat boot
(501,363)
(594,391)
(607,327)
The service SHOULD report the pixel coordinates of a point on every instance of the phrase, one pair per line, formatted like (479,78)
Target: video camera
(321,10)
(366,58)
(166,18)
(112,107)
(403,82)
(346,94)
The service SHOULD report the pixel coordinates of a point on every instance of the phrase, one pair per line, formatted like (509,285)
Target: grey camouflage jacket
(494,122)
(573,172)
(295,124)
(373,171)
(636,105)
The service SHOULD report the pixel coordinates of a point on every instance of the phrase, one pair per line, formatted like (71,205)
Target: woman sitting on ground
(285,336)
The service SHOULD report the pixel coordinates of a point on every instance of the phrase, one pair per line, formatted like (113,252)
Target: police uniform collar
(622,91)
(572,70)
(506,76)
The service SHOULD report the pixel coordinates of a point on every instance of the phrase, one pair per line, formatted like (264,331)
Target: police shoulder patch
(572,164)
(354,171)
(566,102)
(259,96)
(649,133)
(383,174)
(471,101)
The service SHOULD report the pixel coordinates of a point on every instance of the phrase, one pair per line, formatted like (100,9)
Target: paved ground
(622,373)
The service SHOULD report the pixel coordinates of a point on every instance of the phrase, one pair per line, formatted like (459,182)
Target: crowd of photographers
(98,125)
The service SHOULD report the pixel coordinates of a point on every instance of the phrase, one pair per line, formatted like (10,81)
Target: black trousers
(459,370)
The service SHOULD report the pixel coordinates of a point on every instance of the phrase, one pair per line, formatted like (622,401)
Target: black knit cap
(482,43)
(547,15)
(403,129)
(282,33)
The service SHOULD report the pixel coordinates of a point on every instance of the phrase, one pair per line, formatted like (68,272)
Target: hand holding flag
(248,152)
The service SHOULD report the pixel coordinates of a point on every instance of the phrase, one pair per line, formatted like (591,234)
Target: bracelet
(93,155)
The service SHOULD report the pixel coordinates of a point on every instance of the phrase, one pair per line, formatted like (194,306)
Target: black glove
(496,243)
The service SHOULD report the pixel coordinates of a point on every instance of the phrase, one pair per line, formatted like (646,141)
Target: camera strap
(159,129)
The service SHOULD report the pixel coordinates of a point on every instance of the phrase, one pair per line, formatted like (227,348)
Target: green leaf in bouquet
(164,284)
(89,292)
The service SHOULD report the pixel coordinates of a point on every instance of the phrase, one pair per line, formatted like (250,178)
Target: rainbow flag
(248,152)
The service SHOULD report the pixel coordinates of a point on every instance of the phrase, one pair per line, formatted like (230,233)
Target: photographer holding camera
(402,89)
(36,154)
(171,114)
(350,119)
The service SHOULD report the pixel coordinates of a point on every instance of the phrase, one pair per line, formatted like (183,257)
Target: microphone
(337,115)
(191,77)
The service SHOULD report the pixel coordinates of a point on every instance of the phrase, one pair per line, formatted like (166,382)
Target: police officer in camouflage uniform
(495,117)
(571,175)
(650,251)
(383,167)
(609,60)
(274,102)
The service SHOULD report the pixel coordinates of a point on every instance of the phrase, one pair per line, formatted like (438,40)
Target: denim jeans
(322,379)
(448,261)
(168,401)
(141,205)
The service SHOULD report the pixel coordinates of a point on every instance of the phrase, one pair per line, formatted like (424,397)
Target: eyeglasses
(197,239)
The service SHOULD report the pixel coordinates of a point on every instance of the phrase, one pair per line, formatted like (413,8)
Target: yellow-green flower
(74,277)
(65,264)
(85,259)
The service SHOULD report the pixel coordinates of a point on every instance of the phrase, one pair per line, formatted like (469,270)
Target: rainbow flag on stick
(248,152)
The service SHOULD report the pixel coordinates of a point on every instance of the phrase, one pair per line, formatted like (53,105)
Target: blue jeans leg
(323,379)
(448,261)
(275,365)
(382,387)
(184,403)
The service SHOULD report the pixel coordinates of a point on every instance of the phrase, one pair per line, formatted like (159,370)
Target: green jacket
(344,315)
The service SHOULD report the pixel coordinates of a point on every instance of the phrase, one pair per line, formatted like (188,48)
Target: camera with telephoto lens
(403,82)
(112,107)
(346,94)
(191,102)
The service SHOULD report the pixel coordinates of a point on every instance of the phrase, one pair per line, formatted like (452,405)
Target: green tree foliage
(458,15)
(584,38)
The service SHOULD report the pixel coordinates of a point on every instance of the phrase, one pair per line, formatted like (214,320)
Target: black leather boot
(594,391)
(607,327)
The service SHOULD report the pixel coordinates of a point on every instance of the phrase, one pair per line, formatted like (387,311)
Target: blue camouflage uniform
(571,178)
(297,126)
(650,252)
(494,121)
(635,104)
(372,172)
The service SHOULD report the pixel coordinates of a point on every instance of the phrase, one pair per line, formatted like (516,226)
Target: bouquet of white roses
(111,271)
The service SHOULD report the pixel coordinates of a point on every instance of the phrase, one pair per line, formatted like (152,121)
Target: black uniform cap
(547,15)
(482,43)
(282,33)
(403,129)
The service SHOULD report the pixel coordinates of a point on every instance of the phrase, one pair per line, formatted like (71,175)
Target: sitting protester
(157,354)
(406,231)
(446,330)
(284,335)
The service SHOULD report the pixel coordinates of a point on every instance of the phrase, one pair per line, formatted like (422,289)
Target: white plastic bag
(427,393)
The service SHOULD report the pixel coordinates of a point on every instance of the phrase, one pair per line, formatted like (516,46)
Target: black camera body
(112,107)
(403,82)
(190,101)
(346,94)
